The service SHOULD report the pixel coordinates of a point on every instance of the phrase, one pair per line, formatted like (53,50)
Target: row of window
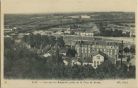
(108,51)
(96,63)
(100,46)
(88,48)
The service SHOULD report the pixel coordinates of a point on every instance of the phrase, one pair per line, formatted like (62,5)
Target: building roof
(88,60)
(99,52)
(58,29)
(97,42)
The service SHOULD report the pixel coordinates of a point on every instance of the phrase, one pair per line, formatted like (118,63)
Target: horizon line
(73,12)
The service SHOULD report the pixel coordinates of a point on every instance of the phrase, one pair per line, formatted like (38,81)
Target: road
(129,40)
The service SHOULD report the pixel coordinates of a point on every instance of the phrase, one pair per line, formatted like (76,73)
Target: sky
(61,6)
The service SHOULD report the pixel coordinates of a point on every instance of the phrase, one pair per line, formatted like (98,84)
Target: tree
(126,50)
(60,41)
(71,52)
(72,32)
(20,62)
(106,70)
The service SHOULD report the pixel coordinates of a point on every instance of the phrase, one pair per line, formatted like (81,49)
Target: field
(33,22)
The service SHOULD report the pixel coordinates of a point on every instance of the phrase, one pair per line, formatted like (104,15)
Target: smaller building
(68,31)
(47,55)
(132,62)
(85,17)
(90,34)
(59,33)
(63,52)
(96,60)
(75,62)
(41,32)
(70,61)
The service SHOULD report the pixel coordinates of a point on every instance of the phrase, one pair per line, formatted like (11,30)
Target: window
(78,49)
(97,62)
(85,51)
(115,51)
(100,46)
(98,57)
(94,63)
(89,51)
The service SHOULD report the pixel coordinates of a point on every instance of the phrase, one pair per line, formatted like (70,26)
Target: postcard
(68,44)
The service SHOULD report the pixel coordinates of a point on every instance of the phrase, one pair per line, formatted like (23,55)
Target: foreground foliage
(19,62)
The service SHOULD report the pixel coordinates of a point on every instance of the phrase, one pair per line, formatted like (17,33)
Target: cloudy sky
(53,6)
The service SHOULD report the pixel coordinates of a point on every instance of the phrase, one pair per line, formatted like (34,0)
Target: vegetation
(130,50)
(111,32)
(19,62)
(22,62)
(40,41)
(71,52)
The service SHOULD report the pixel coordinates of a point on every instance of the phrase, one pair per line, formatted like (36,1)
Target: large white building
(85,49)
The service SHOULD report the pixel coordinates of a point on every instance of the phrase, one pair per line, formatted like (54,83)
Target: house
(71,61)
(42,32)
(85,34)
(63,52)
(8,36)
(95,29)
(132,62)
(47,55)
(21,35)
(58,29)
(75,62)
(85,17)
(132,33)
(74,17)
(87,61)
(96,60)
(65,62)
(14,28)
(59,33)
(68,31)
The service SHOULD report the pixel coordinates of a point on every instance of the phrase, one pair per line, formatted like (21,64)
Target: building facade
(96,60)
(86,49)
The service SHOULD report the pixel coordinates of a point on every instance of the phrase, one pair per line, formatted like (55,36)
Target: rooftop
(97,42)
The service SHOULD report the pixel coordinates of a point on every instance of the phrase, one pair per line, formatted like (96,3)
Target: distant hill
(43,21)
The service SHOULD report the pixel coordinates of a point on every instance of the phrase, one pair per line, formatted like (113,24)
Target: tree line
(40,41)
(20,63)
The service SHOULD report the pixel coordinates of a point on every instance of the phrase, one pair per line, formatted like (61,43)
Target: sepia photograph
(69,40)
